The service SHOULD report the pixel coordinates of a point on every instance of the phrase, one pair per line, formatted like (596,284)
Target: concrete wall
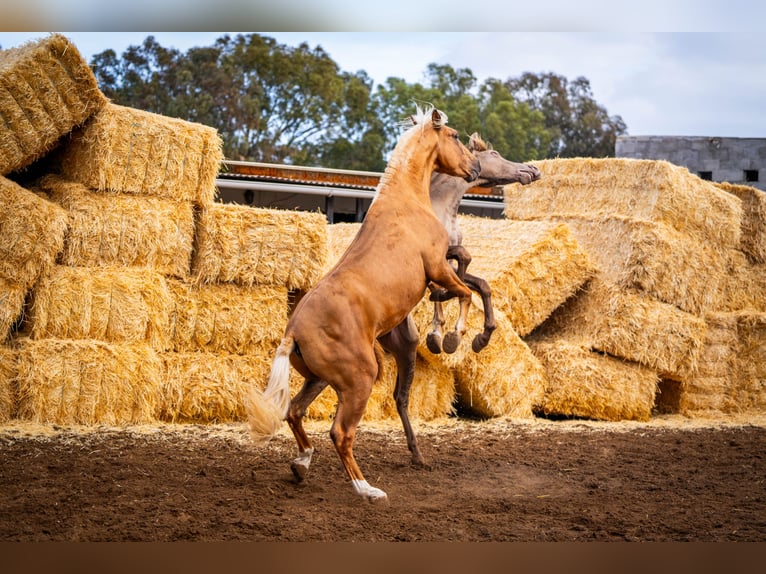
(727,159)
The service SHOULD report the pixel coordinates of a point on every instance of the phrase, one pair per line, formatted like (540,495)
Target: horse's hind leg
(352,399)
(402,342)
(482,288)
(299,404)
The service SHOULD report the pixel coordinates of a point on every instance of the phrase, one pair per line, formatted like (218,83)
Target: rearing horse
(330,337)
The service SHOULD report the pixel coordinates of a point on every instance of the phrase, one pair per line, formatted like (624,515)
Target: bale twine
(532,267)
(114,305)
(46,89)
(118,229)
(226,317)
(630,325)
(134,151)
(586,384)
(258,246)
(650,190)
(87,382)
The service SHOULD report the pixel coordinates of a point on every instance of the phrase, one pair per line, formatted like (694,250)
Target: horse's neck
(408,172)
(445,193)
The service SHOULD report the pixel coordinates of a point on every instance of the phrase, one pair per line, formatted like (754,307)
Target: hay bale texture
(8,368)
(630,325)
(753,228)
(648,190)
(532,267)
(743,286)
(582,383)
(133,151)
(46,90)
(12,298)
(118,229)
(226,318)
(87,382)
(257,246)
(113,305)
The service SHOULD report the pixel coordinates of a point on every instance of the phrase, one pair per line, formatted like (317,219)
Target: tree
(578,126)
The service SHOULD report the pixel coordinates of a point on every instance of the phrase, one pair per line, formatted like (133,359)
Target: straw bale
(532,267)
(743,285)
(134,151)
(46,90)
(226,317)
(654,258)
(630,325)
(652,190)
(204,387)
(8,368)
(753,232)
(32,233)
(259,246)
(116,305)
(123,229)
(87,382)
(12,297)
(750,389)
(587,384)
(504,379)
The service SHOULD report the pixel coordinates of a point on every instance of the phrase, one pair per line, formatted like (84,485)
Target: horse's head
(452,157)
(496,170)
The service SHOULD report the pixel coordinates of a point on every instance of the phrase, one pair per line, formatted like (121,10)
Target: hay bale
(630,325)
(654,258)
(750,384)
(110,229)
(8,368)
(258,246)
(532,267)
(115,305)
(586,384)
(743,285)
(226,317)
(204,387)
(504,379)
(711,389)
(12,297)
(650,190)
(46,89)
(87,382)
(31,234)
(133,151)
(753,230)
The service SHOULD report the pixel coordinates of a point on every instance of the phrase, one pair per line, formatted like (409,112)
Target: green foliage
(275,103)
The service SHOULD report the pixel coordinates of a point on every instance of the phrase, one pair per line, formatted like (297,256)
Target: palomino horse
(330,337)
(446,193)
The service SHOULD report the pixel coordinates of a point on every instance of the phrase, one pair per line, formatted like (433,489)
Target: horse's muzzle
(473,175)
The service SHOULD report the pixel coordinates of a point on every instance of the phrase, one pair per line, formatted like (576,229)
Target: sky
(675,68)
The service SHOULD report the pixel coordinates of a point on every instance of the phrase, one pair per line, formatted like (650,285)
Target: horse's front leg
(461,255)
(479,285)
(434,338)
(446,277)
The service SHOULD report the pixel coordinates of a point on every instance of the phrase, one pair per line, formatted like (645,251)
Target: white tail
(267,410)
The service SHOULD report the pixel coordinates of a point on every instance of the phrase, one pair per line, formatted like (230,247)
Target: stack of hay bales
(532,268)
(661,240)
(146,299)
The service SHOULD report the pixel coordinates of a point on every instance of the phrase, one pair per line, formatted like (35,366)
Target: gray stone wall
(725,159)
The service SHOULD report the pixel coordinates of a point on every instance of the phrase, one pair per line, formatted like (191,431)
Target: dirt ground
(672,479)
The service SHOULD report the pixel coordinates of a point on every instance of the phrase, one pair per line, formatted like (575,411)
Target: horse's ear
(475,143)
(436,119)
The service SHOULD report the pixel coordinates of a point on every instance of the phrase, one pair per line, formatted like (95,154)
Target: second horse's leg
(482,288)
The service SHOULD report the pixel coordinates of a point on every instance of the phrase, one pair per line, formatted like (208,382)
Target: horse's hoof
(434,343)
(478,343)
(451,342)
(299,471)
(378,499)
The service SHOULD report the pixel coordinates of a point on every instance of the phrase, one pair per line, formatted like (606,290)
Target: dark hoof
(434,343)
(478,343)
(451,342)
(299,472)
